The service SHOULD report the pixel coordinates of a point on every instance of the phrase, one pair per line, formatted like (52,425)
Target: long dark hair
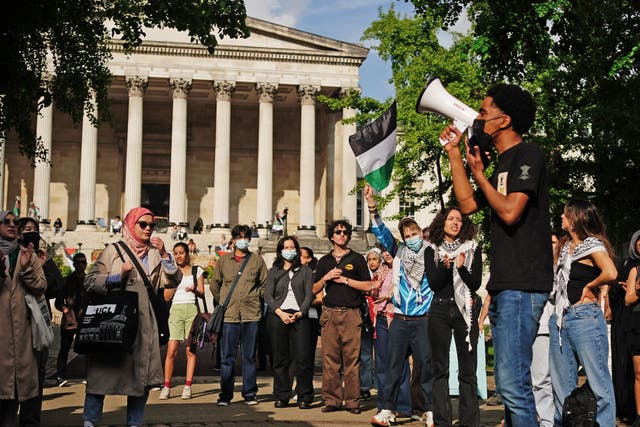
(279,261)
(586,222)
(184,246)
(468,229)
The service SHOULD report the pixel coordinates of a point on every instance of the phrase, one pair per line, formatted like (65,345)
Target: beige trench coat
(18,365)
(129,374)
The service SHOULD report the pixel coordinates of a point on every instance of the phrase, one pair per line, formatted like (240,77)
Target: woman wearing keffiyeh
(453,263)
(577,329)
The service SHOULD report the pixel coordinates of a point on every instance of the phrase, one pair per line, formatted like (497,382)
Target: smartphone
(30,237)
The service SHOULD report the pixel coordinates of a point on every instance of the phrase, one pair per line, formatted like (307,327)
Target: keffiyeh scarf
(559,296)
(462,294)
(413,263)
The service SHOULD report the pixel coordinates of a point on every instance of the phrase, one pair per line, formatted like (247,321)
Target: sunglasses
(145,224)
(8,221)
(341,232)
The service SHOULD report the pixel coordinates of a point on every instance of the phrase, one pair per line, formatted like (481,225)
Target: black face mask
(480,140)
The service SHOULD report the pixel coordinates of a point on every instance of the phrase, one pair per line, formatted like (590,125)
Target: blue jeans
(135,408)
(408,337)
(243,333)
(514,317)
(403,403)
(366,357)
(584,341)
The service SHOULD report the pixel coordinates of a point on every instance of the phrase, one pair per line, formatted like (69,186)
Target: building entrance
(155,197)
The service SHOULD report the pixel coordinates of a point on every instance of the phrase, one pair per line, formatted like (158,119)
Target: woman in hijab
(632,327)
(130,374)
(622,367)
(20,274)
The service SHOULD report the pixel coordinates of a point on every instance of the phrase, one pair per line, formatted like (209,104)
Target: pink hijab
(139,247)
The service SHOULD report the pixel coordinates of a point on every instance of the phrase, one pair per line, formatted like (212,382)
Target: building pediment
(268,41)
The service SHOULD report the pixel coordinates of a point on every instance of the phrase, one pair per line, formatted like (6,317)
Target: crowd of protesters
(386,318)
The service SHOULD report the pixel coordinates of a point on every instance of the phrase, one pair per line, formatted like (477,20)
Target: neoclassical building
(230,138)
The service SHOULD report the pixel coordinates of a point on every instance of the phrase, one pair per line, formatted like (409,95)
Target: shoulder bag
(109,323)
(41,329)
(198,335)
(214,326)
(160,306)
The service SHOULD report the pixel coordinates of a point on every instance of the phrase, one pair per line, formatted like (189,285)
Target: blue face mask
(289,254)
(414,243)
(242,244)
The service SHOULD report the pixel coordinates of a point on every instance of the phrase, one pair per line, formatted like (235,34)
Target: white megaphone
(435,99)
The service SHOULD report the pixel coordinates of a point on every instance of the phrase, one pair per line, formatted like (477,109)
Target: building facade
(230,137)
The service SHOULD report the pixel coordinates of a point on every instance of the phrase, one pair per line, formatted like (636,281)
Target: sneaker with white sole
(250,401)
(186,392)
(165,393)
(383,418)
(428,419)
(223,402)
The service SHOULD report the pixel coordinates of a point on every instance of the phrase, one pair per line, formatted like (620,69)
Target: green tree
(73,36)
(580,58)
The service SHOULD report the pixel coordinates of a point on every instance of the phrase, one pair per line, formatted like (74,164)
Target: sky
(343,20)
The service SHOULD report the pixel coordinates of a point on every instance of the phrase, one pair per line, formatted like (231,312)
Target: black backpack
(580,408)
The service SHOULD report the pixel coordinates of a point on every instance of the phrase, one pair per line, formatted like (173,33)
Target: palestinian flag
(374,146)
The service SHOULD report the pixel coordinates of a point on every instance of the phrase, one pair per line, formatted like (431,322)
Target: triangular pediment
(266,36)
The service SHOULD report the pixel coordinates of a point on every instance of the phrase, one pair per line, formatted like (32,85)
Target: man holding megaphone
(521,258)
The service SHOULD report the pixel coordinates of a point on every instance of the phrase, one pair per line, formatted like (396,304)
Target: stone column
(266,92)
(307,96)
(133,177)
(223,90)
(349,169)
(178,187)
(88,165)
(42,172)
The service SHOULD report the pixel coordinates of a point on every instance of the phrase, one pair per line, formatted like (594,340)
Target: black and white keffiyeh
(559,296)
(462,294)
(413,265)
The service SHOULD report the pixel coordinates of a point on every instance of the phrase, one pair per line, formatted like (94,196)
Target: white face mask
(242,244)
(288,254)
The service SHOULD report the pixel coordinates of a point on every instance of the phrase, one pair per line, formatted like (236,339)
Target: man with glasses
(243,313)
(344,275)
(521,266)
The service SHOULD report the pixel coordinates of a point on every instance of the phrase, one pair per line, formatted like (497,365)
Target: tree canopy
(580,60)
(73,36)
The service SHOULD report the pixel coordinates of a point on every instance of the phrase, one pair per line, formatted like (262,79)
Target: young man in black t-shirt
(344,275)
(520,257)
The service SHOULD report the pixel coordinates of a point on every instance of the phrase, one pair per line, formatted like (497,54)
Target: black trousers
(66,339)
(290,344)
(445,318)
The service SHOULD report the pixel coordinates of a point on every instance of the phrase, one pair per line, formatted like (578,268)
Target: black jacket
(277,286)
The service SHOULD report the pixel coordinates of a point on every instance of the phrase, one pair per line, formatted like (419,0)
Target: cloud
(284,12)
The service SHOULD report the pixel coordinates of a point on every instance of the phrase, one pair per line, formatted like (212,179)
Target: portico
(229,138)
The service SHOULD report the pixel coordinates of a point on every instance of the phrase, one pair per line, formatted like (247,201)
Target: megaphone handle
(460,125)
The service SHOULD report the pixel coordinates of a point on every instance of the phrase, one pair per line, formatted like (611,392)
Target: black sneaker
(365,395)
(62,381)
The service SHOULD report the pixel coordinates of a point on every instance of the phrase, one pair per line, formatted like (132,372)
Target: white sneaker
(186,392)
(428,419)
(165,393)
(383,418)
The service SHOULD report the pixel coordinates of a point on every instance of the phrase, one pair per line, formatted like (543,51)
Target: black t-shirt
(354,266)
(580,275)
(521,254)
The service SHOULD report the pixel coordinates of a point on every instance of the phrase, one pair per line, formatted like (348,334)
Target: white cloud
(284,12)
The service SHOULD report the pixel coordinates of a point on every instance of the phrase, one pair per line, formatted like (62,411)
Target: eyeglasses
(341,232)
(8,221)
(145,224)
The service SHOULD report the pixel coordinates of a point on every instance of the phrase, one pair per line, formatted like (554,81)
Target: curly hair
(515,102)
(436,229)
(342,223)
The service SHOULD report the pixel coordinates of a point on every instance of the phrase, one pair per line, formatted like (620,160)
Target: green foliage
(208,272)
(580,59)
(65,270)
(74,34)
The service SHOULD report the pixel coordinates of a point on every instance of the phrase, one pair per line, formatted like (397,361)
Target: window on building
(407,206)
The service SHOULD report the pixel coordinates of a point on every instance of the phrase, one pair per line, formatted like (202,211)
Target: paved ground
(63,407)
